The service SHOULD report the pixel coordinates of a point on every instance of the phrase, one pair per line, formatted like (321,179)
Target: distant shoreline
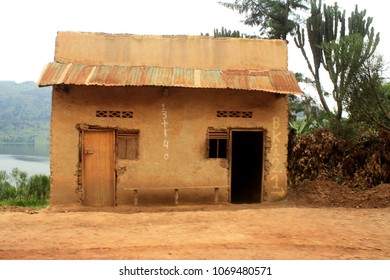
(18,143)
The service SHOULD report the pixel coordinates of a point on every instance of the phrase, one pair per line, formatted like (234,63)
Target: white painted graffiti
(164,113)
(275,151)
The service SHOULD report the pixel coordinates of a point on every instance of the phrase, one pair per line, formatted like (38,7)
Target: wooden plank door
(99,168)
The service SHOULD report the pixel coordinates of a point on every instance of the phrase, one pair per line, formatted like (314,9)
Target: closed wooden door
(98,168)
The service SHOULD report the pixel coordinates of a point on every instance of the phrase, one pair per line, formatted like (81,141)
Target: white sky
(28,27)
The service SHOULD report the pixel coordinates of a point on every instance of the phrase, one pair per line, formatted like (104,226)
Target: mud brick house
(167,119)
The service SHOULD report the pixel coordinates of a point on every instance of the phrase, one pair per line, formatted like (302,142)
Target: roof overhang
(276,81)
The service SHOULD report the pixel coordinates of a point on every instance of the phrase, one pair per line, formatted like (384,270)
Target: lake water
(33,159)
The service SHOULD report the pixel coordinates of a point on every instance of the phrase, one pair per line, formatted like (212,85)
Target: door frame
(230,155)
(82,155)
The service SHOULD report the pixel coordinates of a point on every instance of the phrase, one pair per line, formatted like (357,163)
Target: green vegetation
(363,162)
(276,19)
(24,113)
(344,48)
(340,47)
(350,142)
(18,189)
(368,103)
(229,33)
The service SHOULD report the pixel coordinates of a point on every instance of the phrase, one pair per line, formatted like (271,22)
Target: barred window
(217,143)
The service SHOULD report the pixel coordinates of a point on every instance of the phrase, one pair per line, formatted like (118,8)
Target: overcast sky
(28,27)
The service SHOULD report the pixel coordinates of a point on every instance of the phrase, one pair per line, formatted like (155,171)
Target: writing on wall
(276,161)
(164,123)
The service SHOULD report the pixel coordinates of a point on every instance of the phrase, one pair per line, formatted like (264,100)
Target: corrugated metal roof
(277,81)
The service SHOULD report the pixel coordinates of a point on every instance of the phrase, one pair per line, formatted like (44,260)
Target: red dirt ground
(318,220)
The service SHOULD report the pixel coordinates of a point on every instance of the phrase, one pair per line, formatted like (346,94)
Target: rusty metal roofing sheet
(277,81)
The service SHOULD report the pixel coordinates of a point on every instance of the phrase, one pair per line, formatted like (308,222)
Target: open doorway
(247,159)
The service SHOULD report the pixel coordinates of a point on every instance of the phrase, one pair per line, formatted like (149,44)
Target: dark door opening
(246,166)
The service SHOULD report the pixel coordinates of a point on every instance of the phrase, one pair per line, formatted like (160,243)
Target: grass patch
(32,203)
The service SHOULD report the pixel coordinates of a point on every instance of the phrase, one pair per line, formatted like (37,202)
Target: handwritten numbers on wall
(164,114)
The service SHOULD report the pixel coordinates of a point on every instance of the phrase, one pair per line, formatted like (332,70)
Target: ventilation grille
(114,114)
(234,114)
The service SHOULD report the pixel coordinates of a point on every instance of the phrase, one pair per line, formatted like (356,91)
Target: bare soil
(318,220)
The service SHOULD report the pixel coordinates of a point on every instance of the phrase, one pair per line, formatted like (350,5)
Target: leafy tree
(276,18)
(341,51)
(368,100)
(19,180)
(39,186)
(6,190)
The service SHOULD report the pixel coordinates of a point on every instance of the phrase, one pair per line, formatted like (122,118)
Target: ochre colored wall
(189,52)
(189,114)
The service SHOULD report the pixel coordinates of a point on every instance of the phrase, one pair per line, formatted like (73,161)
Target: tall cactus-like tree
(227,33)
(340,49)
(315,30)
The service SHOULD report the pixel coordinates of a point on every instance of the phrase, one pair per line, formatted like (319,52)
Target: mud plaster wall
(189,114)
(189,52)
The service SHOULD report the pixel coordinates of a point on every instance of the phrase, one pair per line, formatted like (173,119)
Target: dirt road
(212,232)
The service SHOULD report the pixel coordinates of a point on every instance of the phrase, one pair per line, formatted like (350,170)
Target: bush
(362,162)
(20,190)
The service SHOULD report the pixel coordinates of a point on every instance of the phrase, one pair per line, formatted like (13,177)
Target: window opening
(128,144)
(217,143)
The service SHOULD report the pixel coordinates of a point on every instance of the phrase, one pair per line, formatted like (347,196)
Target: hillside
(24,112)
